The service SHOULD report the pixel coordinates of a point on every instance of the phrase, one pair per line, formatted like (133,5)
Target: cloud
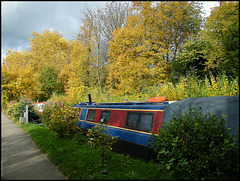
(20,19)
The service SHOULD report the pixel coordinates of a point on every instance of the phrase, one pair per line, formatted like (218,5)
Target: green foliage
(81,162)
(231,43)
(197,146)
(12,110)
(62,119)
(222,34)
(193,57)
(46,113)
(16,110)
(47,79)
(101,139)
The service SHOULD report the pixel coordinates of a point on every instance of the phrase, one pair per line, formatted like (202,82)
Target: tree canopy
(126,47)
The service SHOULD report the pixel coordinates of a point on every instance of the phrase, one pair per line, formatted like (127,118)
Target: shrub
(197,146)
(16,110)
(46,113)
(101,139)
(63,120)
(12,110)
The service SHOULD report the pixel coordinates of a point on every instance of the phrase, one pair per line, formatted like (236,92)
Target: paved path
(20,157)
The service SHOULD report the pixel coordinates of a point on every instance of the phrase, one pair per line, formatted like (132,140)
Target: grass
(81,162)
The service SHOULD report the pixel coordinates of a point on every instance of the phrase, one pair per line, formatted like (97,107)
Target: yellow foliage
(48,48)
(143,50)
(133,59)
(75,72)
(17,76)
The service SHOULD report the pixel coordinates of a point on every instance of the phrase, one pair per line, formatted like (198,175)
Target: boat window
(91,114)
(145,123)
(139,121)
(83,114)
(132,119)
(104,118)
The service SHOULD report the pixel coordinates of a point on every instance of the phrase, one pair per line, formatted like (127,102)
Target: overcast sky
(20,18)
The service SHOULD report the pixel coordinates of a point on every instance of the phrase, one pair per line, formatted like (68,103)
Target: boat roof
(125,105)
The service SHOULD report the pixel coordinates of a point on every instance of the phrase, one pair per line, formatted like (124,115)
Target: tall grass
(186,87)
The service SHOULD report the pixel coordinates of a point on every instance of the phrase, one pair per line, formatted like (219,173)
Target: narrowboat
(131,122)
(39,106)
(134,122)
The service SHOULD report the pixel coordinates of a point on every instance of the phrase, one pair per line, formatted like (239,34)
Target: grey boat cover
(227,105)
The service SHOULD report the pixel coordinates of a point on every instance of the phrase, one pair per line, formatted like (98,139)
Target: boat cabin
(132,122)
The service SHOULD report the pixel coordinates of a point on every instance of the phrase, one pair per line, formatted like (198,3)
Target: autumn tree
(77,71)
(48,48)
(90,36)
(222,32)
(141,52)
(132,61)
(95,34)
(16,75)
(173,22)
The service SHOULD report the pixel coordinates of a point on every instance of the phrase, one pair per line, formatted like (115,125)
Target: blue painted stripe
(122,134)
(130,136)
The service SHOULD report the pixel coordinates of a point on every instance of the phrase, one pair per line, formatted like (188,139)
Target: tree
(77,71)
(96,33)
(114,15)
(192,58)
(141,52)
(90,36)
(48,48)
(222,32)
(171,23)
(16,75)
(131,61)
(47,83)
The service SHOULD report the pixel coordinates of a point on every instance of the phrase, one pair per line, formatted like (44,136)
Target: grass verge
(81,162)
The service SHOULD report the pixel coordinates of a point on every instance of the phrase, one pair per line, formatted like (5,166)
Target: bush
(16,110)
(197,146)
(101,139)
(12,110)
(46,113)
(62,119)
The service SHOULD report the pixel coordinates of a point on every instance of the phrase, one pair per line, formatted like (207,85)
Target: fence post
(26,114)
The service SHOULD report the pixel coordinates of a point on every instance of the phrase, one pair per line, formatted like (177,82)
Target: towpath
(20,157)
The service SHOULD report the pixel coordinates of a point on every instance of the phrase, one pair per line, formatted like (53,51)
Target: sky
(20,18)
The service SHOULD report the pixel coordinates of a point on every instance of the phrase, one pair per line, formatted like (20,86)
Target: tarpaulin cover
(227,105)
